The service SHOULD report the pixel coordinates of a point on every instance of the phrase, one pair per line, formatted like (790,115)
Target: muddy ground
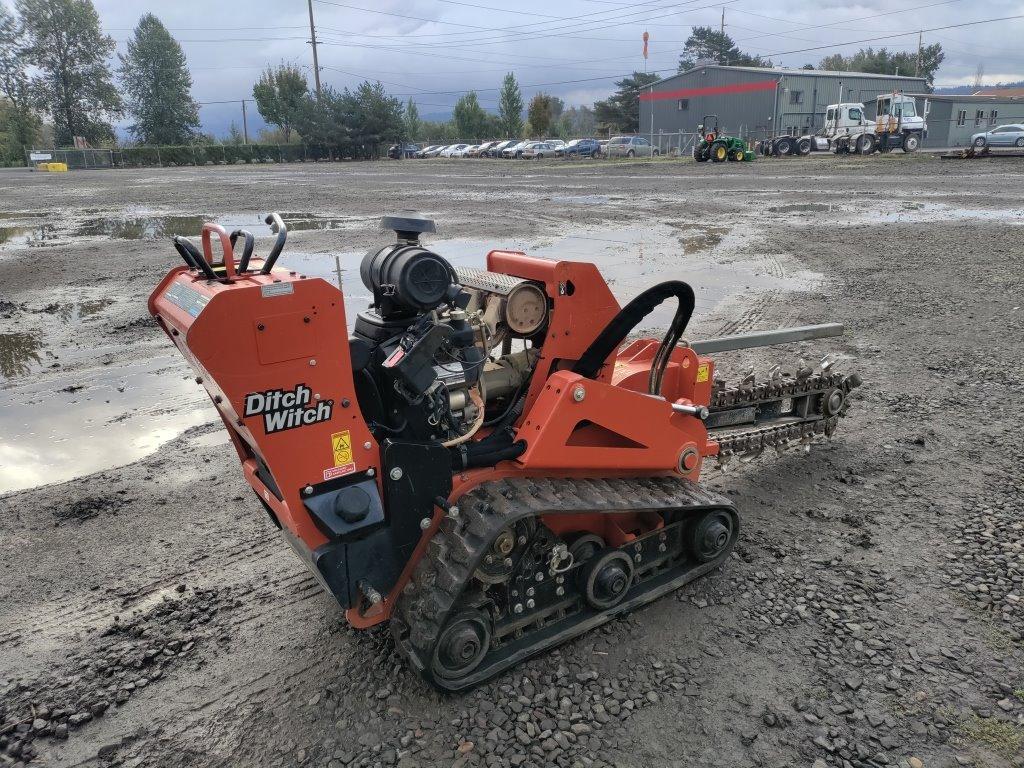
(872,614)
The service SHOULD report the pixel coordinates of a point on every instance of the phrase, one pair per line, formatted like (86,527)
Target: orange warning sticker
(702,372)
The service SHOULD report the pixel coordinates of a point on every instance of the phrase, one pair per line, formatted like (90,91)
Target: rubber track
(459,545)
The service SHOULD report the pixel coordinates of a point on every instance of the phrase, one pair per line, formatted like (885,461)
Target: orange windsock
(646,38)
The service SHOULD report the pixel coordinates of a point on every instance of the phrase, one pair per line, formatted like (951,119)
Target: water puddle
(802,208)
(19,351)
(146,225)
(630,258)
(93,420)
(19,236)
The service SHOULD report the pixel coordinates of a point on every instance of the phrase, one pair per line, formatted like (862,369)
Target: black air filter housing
(405,278)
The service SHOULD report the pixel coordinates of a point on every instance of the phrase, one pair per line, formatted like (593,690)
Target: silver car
(1003,136)
(631,146)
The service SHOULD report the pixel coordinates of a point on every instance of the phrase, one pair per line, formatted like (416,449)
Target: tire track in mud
(68,615)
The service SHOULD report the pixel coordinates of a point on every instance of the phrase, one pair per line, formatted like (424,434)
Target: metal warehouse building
(755,102)
(952,120)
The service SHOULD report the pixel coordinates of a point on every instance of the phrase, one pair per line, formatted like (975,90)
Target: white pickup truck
(897,125)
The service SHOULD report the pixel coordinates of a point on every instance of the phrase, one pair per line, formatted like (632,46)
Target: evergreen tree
(279,95)
(156,78)
(538,115)
(712,44)
(19,126)
(74,85)
(621,111)
(413,124)
(510,107)
(470,119)
(886,62)
(377,119)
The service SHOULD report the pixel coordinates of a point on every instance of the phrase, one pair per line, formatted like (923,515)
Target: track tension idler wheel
(462,645)
(710,535)
(607,578)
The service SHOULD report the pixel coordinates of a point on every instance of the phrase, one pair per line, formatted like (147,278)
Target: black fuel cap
(352,504)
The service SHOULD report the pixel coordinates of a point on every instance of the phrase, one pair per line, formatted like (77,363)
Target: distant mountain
(967,90)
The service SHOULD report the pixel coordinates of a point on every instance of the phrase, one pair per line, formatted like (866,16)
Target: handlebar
(277,226)
(250,242)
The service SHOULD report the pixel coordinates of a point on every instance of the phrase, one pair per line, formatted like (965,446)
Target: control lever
(278,227)
(247,247)
(193,257)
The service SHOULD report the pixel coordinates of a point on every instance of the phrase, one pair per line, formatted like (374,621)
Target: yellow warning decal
(341,444)
(702,372)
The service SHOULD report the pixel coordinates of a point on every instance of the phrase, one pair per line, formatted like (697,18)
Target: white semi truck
(897,125)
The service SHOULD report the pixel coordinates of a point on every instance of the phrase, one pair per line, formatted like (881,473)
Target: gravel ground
(872,614)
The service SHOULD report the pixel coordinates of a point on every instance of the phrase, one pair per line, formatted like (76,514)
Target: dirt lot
(872,614)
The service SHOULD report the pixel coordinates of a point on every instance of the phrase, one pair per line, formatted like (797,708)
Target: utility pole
(917,69)
(722,28)
(245,125)
(312,41)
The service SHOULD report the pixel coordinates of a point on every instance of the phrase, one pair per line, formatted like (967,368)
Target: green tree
(620,112)
(279,94)
(74,85)
(413,124)
(708,43)
(538,115)
(510,107)
(376,118)
(156,78)
(886,62)
(235,135)
(19,126)
(470,119)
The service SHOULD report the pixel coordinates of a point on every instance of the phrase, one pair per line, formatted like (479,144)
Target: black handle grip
(250,243)
(184,246)
(278,227)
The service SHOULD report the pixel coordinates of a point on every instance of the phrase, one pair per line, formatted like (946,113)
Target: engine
(442,353)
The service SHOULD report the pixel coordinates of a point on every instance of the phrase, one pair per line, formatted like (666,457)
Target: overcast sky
(424,47)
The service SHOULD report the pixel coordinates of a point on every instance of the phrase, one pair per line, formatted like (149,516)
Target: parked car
(538,150)
(1003,136)
(556,143)
(498,148)
(579,148)
(451,149)
(465,151)
(436,150)
(480,149)
(399,151)
(515,150)
(430,148)
(630,146)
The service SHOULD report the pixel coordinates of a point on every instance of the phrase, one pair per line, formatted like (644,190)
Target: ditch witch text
(286,409)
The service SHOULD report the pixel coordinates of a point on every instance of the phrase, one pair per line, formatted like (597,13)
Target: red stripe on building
(717,90)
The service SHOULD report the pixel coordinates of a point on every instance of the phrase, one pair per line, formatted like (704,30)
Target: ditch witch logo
(283,409)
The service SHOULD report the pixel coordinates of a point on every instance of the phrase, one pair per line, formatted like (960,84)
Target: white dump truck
(897,124)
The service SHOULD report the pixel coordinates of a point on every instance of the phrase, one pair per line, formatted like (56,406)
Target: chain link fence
(190,154)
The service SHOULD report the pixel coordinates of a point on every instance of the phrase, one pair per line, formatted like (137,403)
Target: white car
(556,143)
(464,152)
(451,149)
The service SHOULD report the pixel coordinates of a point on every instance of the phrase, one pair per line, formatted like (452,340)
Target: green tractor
(717,148)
